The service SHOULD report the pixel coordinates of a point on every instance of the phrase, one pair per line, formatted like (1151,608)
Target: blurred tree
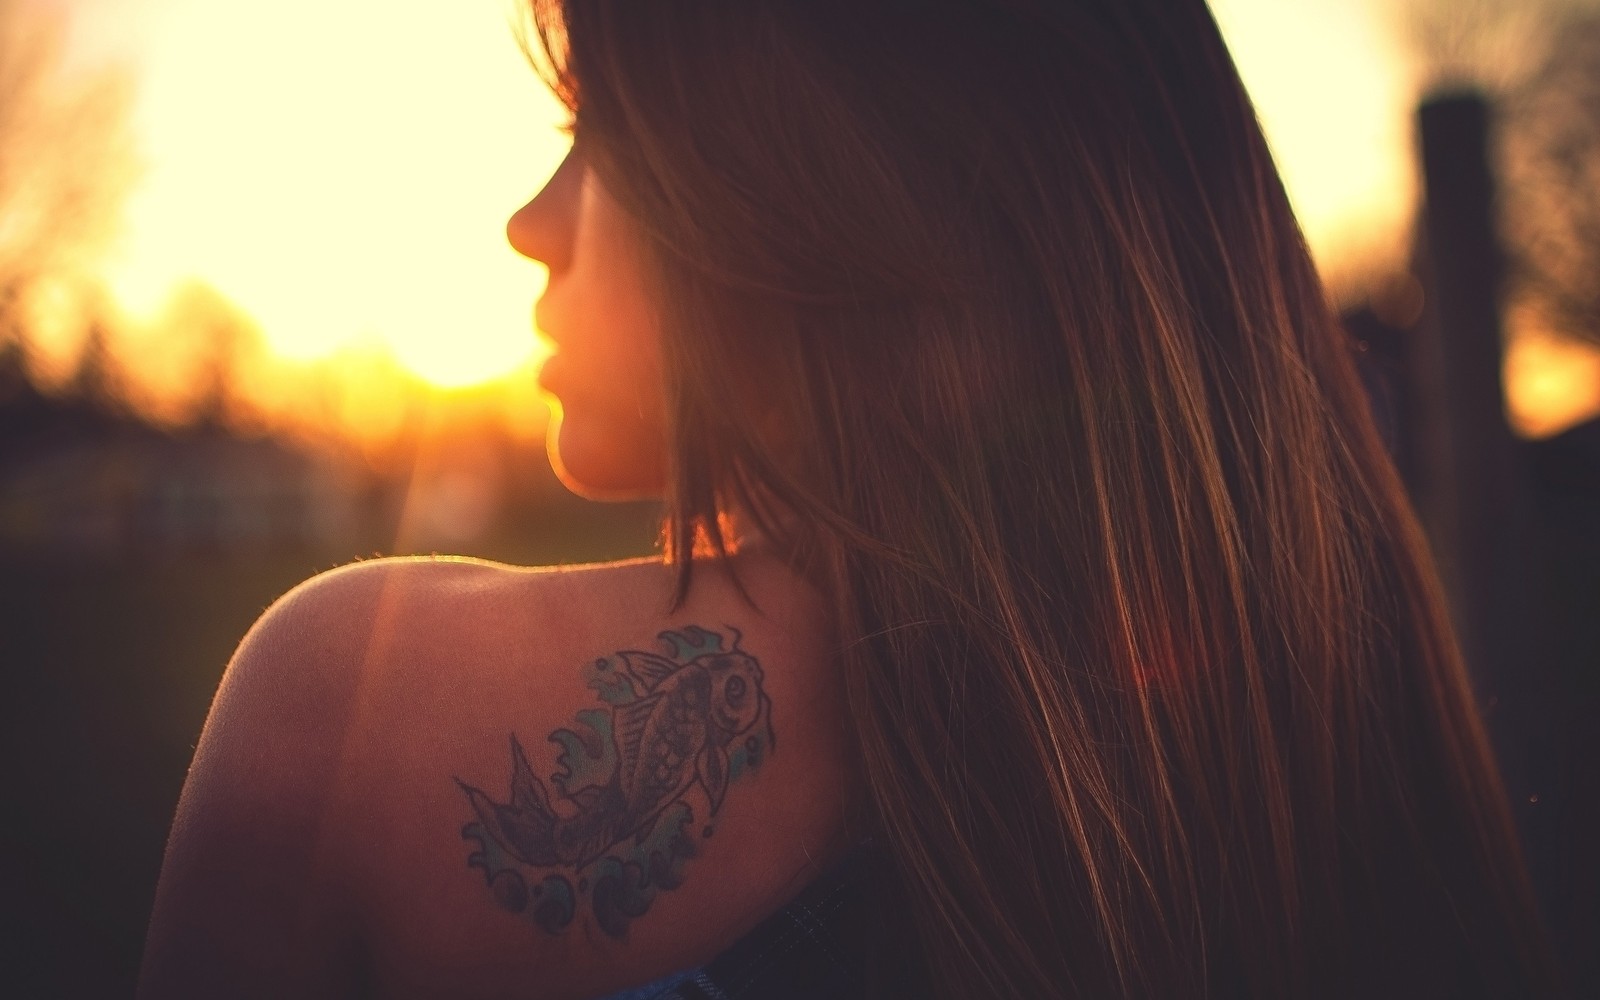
(66,157)
(1486,45)
(193,360)
(1539,62)
(99,377)
(214,333)
(1551,167)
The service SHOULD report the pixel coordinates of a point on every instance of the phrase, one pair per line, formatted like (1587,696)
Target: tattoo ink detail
(622,824)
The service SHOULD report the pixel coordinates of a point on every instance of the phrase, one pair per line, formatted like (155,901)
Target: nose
(544,228)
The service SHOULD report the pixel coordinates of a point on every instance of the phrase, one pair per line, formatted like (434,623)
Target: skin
(318,851)
(608,436)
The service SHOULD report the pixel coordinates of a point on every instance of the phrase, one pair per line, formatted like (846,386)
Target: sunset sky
(341,169)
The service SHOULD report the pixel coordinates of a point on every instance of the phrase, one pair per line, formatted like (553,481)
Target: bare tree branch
(66,157)
(1487,45)
(1550,162)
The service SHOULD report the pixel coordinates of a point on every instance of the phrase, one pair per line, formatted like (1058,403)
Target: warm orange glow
(1334,92)
(57,320)
(343,172)
(346,185)
(1551,383)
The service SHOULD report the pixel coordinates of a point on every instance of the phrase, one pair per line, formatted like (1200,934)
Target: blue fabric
(812,949)
(650,991)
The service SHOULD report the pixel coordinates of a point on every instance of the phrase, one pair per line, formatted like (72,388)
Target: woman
(1031,560)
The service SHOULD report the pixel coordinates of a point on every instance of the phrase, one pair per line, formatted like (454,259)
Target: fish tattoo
(680,726)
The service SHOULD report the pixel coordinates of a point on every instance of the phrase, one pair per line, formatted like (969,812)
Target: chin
(600,466)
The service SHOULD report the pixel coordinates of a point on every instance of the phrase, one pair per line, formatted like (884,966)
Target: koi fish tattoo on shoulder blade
(632,777)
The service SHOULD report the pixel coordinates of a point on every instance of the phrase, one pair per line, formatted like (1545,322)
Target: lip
(549,377)
(543,319)
(549,374)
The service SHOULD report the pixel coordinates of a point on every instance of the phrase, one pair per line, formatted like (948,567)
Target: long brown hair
(996,314)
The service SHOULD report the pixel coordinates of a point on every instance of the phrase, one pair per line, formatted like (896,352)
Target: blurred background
(258,319)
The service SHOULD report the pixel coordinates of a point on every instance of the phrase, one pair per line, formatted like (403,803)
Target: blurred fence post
(1473,491)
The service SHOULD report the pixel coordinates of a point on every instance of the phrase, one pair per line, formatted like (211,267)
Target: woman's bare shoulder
(491,773)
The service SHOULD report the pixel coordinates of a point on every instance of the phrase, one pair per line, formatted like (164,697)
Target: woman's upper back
(456,778)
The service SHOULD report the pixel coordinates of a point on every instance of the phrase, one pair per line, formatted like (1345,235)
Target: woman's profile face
(607,437)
